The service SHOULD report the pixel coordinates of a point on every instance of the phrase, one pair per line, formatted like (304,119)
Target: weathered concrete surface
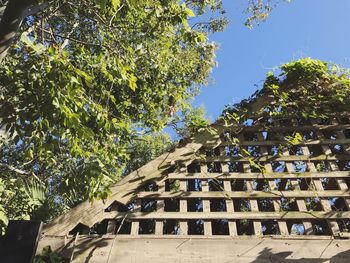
(203,250)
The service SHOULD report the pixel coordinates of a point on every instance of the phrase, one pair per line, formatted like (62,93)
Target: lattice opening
(299,166)
(81,229)
(288,204)
(147,226)
(266,205)
(250,136)
(194,185)
(171,185)
(270,227)
(196,227)
(254,151)
(220,227)
(212,152)
(195,205)
(260,185)
(322,166)
(241,205)
(306,184)
(171,227)
(344,165)
(218,205)
(347,133)
(338,204)
(232,151)
(315,150)
(171,205)
(313,204)
(279,167)
(344,225)
(116,206)
(320,227)
(235,167)
(239,185)
(194,168)
(215,185)
(296,227)
(99,228)
(309,135)
(295,150)
(214,167)
(329,183)
(148,205)
(123,227)
(245,227)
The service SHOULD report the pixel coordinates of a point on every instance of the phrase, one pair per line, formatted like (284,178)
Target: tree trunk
(11,20)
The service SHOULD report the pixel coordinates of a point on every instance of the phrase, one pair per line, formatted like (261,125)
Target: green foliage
(81,83)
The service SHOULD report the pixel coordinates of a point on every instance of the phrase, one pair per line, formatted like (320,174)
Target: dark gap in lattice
(171,184)
(320,227)
(248,122)
(215,185)
(305,184)
(212,152)
(257,167)
(274,150)
(309,135)
(272,136)
(124,229)
(147,226)
(214,167)
(238,185)
(295,150)
(260,185)
(324,121)
(286,185)
(171,227)
(227,136)
(235,167)
(245,227)
(196,227)
(343,165)
(322,166)
(195,205)
(149,187)
(330,135)
(347,133)
(299,166)
(220,227)
(270,227)
(241,205)
(194,185)
(329,183)
(194,168)
(218,205)
(254,151)
(81,229)
(279,167)
(289,204)
(148,205)
(315,150)
(336,148)
(250,136)
(313,204)
(232,151)
(344,120)
(99,228)
(344,225)
(338,204)
(171,205)
(266,205)
(116,206)
(295,227)
(286,122)
(347,181)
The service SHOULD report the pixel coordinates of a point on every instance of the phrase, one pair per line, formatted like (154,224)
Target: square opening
(245,227)
(194,185)
(220,227)
(123,227)
(194,168)
(171,205)
(214,167)
(235,167)
(217,205)
(320,227)
(195,205)
(241,205)
(270,227)
(171,227)
(215,185)
(147,226)
(196,227)
(148,205)
(238,185)
(296,227)
(266,205)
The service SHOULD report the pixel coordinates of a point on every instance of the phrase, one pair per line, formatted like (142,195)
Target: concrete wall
(201,250)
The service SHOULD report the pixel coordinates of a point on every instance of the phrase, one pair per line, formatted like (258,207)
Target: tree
(84,81)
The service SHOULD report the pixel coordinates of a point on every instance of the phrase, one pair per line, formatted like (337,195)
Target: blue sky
(318,29)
